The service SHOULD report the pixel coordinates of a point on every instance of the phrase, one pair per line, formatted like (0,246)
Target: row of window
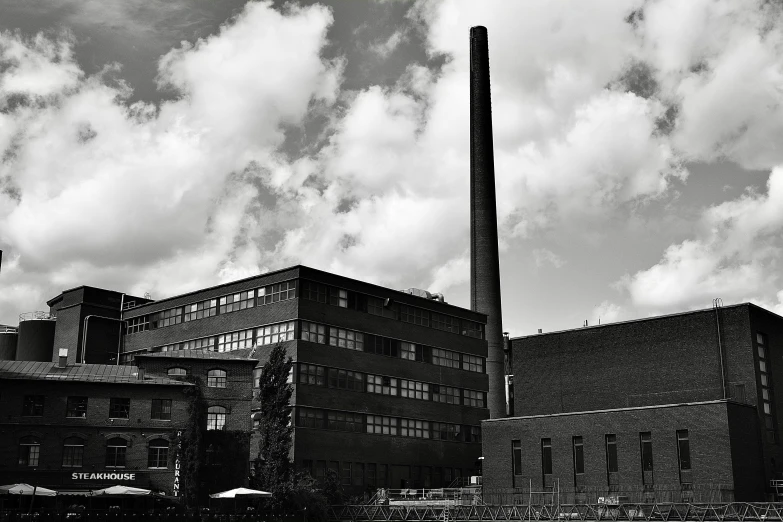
(215,378)
(76,407)
(766,386)
(384,425)
(610,445)
(385,385)
(312,291)
(333,336)
(73,452)
(372,475)
(211,307)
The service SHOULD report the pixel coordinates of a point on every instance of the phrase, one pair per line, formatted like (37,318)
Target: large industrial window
(310,418)
(447,394)
(472,329)
(314,291)
(235,341)
(161,409)
(579,456)
(73,452)
(381,425)
(275,333)
(158,454)
(408,351)
(381,384)
(446,431)
(278,292)
(611,453)
(546,456)
(338,297)
(177,372)
(683,450)
(345,421)
(201,310)
(766,385)
(414,390)
(312,374)
(315,333)
(381,307)
(167,317)
(415,428)
(445,322)
(477,399)
(239,301)
(76,407)
(216,379)
(138,324)
(115,452)
(516,456)
(216,418)
(32,406)
(346,380)
(645,441)
(414,315)
(119,408)
(473,363)
(346,339)
(445,358)
(29,451)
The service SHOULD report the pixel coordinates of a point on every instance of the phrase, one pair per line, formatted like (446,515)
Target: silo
(8,339)
(36,337)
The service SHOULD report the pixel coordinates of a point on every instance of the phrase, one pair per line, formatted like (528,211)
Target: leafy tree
(192,454)
(273,469)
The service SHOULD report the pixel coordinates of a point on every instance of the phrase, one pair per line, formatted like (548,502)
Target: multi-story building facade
(671,408)
(390,387)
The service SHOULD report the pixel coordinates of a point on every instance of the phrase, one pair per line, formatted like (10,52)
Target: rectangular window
(516,456)
(445,358)
(381,346)
(119,408)
(168,317)
(447,394)
(546,456)
(381,384)
(76,407)
(611,453)
(476,399)
(381,425)
(408,351)
(683,450)
(345,421)
(277,292)
(378,306)
(32,406)
(414,315)
(158,456)
(138,324)
(445,322)
(201,310)
(472,433)
(446,431)
(315,333)
(275,333)
(238,301)
(415,428)
(235,341)
(346,474)
(312,374)
(161,409)
(338,297)
(115,453)
(346,380)
(314,291)
(415,390)
(472,363)
(310,418)
(645,441)
(579,456)
(73,455)
(205,343)
(472,329)
(346,339)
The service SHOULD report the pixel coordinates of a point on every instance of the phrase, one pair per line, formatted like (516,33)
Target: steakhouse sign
(103,476)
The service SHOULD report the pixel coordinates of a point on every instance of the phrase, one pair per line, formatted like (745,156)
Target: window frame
(115,407)
(217,378)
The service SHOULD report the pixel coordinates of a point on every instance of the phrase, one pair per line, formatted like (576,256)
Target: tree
(273,469)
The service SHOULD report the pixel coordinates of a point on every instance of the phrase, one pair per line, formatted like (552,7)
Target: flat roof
(197,354)
(641,319)
(104,373)
(614,410)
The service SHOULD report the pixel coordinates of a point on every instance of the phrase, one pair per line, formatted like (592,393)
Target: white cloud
(543,256)
(606,312)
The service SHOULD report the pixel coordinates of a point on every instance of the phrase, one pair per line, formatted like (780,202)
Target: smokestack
(484,264)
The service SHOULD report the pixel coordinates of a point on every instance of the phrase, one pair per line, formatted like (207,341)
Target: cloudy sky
(164,146)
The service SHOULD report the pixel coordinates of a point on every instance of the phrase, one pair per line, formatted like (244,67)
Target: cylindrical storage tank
(36,337)
(8,339)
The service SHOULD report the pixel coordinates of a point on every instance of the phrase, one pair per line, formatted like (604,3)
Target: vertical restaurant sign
(177,463)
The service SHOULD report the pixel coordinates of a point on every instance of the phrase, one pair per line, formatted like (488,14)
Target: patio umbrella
(123,491)
(245,492)
(26,489)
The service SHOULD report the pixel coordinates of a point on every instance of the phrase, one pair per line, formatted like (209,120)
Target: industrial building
(673,408)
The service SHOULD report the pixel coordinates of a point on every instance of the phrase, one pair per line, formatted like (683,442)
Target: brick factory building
(672,408)
(88,426)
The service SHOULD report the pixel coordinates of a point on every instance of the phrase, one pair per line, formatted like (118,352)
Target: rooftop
(238,355)
(106,373)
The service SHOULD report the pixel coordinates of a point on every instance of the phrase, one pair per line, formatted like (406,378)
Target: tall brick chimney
(484,262)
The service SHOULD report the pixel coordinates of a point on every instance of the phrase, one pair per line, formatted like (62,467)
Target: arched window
(177,372)
(29,451)
(115,452)
(158,455)
(216,379)
(73,452)
(216,418)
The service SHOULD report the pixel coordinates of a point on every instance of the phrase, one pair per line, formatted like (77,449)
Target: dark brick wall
(715,438)
(53,427)
(661,360)
(746,453)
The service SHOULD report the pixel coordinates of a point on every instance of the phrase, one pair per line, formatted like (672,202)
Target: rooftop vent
(418,292)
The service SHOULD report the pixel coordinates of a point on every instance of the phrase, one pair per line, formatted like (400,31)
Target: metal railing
(37,316)
(9,329)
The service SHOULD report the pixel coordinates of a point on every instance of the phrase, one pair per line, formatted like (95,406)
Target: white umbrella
(232,493)
(123,491)
(26,489)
